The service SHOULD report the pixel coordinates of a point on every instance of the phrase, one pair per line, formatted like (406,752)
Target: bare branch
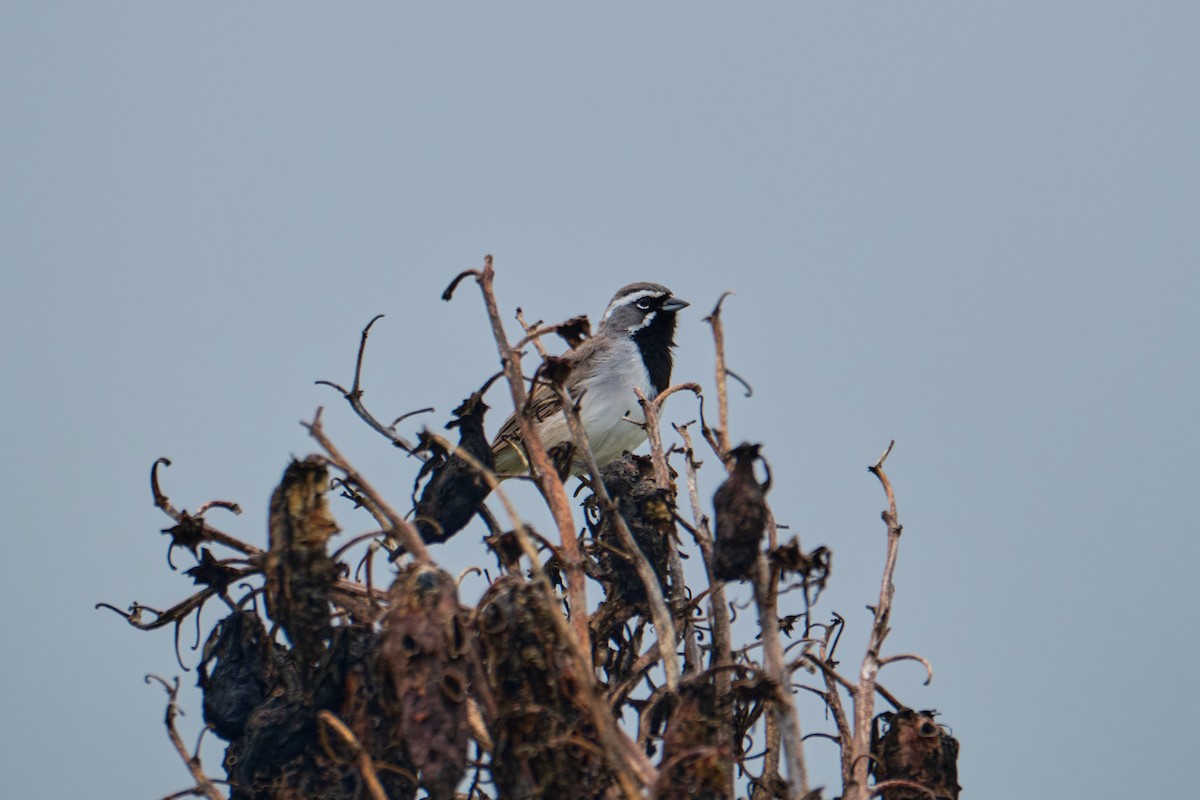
(864,693)
(355,393)
(724,442)
(659,612)
(204,784)
(393,524)
(227,505)
(783,708)
(718,613)
(365,765)
(209,533)
(898,783)
(883,662)
(541,468)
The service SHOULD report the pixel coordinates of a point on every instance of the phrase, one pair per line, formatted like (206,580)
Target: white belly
(610,410)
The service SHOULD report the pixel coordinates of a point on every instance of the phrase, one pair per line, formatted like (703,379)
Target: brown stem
(541,468)
(533,334)
(718,608)
(662,479)
(211,534)
(394,524)
(204,784)
(365,765)
(354,396)
(659,612)
(783,708)
(899,783)
(833,699)
(630,764)
(864,693)
(714,319)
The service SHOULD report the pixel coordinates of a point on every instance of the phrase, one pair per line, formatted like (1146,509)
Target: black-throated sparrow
(630,349)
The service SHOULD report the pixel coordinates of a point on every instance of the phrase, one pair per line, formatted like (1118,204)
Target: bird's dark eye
(644,305)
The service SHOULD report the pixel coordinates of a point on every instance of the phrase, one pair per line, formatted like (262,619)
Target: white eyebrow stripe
(632,297)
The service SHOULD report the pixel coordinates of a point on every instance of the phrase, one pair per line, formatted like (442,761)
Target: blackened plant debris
(791,560)
(188,533)
(554,370)
(696,764)
(649,512)
(910,746)
(506,549)
(811,569)
(238,679)
(285,752)
(741,511)
(575,330)
(211,572)
(298,568)
(455,490)
(545,743)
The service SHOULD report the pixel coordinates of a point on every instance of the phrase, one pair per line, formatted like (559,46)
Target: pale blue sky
(971,227)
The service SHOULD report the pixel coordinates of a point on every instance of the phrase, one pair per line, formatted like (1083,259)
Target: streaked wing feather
(543,401)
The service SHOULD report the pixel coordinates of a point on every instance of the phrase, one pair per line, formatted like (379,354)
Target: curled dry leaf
(455,490)
(741,510)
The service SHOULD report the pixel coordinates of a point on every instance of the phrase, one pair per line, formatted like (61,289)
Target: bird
(631,349)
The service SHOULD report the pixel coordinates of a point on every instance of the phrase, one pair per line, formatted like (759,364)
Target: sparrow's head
(636,307)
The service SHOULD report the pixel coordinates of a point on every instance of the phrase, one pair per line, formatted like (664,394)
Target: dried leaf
(455,490)
(741,517)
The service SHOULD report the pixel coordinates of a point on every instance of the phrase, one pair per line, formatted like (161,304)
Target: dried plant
(335,688)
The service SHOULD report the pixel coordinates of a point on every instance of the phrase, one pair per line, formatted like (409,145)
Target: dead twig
(784,721)
(393,524)
(783,709)
(883,662)
(662,479)
(204,784)
(723,443)
(207,532)
(365,765)
(864,692)
(898,783)
(718,613)
(630,765)
(541,468)
(354,396)
(659,612)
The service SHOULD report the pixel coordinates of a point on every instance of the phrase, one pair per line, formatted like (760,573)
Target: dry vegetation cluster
(590,667)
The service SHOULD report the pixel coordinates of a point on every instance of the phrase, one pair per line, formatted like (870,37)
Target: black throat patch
(655,342)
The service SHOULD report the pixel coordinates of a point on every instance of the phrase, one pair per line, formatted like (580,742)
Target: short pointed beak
(674,304)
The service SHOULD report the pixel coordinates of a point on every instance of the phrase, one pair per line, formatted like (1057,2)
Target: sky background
(971,227)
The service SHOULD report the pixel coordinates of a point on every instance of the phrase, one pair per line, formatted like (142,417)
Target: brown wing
(543,404)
